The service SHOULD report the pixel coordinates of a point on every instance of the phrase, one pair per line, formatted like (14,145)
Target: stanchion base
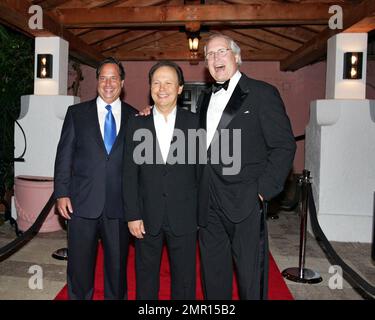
(61,254)
(309,276)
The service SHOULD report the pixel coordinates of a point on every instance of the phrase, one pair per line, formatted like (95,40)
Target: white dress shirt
(218,102)
(164,130)
(102,112)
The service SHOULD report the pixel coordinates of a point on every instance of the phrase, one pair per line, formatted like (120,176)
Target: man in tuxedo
(230,204)
(160,190)
(88,185)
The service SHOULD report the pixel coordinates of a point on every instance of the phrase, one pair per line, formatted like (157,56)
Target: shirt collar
(232,83)
(157,113)
(234,80)
(102,104)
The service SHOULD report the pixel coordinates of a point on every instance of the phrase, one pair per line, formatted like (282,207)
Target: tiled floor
(16,272)
(284,245)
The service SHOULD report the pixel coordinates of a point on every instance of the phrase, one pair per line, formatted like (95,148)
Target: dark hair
(170,64)
(111,60)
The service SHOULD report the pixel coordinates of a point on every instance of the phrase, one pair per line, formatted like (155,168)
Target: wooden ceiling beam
(316,48)
(113,3)
(271,39)
(314,28)
(169,41)
(79,32)
(98,36)
(15,14)
(141,3)
(122,39)
(254,14)
(141,41)
(365,25)
(179,55)
(293,33)
(243,39)
(49,4)
(87,3)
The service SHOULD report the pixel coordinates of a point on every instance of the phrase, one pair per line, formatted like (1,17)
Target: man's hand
(145,111)
(64,207)
(260,197)
(137,228)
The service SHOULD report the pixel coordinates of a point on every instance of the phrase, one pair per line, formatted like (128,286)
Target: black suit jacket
(83,169)
(156,190)
(267,150)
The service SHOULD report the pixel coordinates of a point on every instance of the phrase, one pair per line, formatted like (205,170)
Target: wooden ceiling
(294,32)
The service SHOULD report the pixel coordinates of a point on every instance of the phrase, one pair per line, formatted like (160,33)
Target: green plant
(16,79)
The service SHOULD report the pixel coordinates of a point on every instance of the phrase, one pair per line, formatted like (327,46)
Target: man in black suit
(88,185)
(160,189)
(230,202)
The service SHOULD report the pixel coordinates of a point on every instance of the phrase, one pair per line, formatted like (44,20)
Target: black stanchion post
(301,274)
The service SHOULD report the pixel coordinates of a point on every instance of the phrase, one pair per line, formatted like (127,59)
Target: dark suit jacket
(153,191)
(267,150)
(83,169)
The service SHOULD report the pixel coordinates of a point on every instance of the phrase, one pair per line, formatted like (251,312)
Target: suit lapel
(179,124)
(94,124)
(235,103)
(122,126)
(203,106)
(150,124)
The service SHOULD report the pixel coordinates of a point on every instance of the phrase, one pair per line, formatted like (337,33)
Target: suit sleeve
(64,157)
(280,143)
(130,176)
(199,102)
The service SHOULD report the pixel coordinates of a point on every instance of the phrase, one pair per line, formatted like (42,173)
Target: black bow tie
(218,86)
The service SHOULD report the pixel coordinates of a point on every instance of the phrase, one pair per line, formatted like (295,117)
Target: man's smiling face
(224,67)
(165,88)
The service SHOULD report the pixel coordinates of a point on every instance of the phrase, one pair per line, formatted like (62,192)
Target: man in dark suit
(160,190)
(88,185)
(230,202)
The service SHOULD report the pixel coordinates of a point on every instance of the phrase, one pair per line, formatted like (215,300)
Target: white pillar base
(41,118)
(340,154)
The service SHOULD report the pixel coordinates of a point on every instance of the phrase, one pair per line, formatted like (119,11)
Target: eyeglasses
(219,53)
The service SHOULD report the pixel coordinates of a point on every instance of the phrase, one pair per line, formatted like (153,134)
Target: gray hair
(233,45)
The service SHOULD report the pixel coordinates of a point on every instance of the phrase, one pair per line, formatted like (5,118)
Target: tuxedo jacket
(84,172)
(267,150)
(156,191)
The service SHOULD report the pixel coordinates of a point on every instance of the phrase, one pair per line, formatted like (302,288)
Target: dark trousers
(182,259)
(83,236)
(223,242)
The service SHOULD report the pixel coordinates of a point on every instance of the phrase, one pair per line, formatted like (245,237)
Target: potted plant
(16,79)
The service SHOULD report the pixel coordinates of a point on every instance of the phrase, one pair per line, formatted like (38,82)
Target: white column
(42,114)
(41,118)
(340,148)
(336,86)
(59,48)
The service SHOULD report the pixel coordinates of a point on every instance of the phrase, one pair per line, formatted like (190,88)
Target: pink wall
(297,89)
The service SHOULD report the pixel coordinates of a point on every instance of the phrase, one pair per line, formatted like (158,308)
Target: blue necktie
(109,129)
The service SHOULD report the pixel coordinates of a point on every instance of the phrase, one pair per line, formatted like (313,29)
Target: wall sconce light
(353,65)
(193,43)
(44,66)
(193,38)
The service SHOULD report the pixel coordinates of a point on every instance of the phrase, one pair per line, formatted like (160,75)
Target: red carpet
(278,290)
